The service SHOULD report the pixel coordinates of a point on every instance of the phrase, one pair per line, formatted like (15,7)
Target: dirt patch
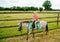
(53,36)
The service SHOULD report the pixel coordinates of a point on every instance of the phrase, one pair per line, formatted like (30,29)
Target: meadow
(13,31)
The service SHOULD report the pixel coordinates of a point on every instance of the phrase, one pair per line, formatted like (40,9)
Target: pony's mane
(26,21)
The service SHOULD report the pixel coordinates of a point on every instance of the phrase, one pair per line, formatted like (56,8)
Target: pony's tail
(46,28)
(20,27)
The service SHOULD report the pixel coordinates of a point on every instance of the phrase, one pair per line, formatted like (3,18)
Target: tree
(47,5)
(33,8)
(1,8)
(40,9)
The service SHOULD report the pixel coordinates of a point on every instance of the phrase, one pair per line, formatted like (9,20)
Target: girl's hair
(35,13)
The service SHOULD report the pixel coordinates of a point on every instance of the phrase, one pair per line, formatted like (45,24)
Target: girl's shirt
(35,17)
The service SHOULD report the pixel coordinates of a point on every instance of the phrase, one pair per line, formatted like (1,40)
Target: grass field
(10,32)
(53,36)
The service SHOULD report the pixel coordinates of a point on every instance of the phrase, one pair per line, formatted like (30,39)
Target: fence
(58,13)
(14,12)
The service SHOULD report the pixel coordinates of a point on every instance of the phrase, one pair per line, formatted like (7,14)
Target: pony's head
(19,26)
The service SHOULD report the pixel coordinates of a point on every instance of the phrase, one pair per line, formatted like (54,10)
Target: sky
(23,3)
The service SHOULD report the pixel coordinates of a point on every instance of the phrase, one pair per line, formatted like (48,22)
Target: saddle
(34,25)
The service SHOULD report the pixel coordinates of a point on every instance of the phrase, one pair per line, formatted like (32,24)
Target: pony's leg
(46,29)
(33,33)
(27,34)
(46,32)
(30,30)
(43,29)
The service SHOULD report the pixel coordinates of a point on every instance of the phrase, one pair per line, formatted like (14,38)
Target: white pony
(43,25)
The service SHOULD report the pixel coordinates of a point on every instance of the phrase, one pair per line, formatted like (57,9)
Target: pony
(43,25)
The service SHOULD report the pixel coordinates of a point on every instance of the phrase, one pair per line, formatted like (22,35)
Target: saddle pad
(37,25)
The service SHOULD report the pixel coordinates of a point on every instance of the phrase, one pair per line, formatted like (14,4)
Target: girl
(35,17)
(35,20)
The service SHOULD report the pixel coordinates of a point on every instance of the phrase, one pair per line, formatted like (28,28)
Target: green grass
(10,32)
(13,31)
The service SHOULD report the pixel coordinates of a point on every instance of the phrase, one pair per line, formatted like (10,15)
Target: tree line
(17,8)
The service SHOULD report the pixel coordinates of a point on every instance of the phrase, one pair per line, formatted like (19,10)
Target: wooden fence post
(58,19)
